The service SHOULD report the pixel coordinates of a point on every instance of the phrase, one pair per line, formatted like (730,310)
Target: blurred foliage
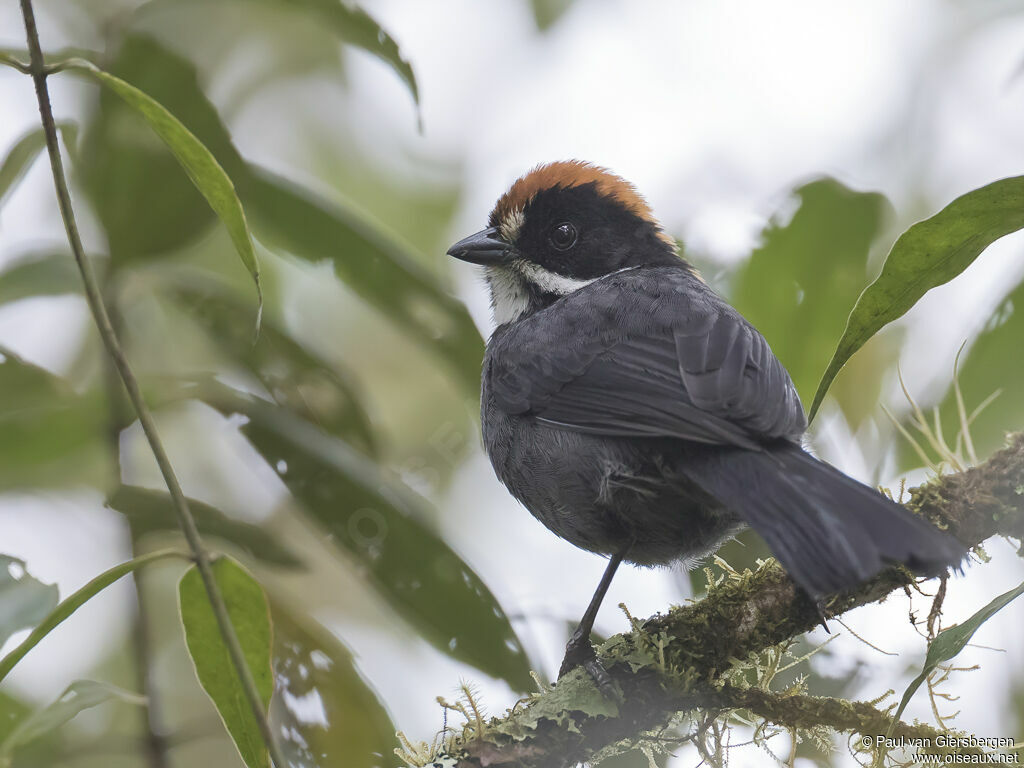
(52,436)
(929,254)
(546,13)
(376,522)
(949,642)
(360,333)
(798,285)
(24,152)
(148,511)
(314,667)
(59,432)
(80,695)
(24,600)
(121,156)
(994,364)
(40,274)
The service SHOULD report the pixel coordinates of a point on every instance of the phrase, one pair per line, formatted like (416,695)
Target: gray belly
(600,493)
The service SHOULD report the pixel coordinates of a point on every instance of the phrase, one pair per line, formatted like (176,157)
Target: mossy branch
(804,712)
(677,662)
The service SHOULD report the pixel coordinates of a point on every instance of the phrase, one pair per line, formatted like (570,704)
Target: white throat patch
(509,296)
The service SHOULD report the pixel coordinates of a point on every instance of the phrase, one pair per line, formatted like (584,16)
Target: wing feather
(647,353)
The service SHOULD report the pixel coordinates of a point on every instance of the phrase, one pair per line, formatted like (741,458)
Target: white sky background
(715,110)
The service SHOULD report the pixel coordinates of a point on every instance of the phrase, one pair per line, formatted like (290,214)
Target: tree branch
(810,711)
(675,662)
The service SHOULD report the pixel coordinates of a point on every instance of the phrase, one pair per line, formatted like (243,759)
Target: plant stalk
(99,312)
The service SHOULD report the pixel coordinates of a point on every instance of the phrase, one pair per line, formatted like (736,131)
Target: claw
(820,605)
(580,653)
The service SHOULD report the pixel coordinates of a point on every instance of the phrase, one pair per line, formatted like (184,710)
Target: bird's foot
(580,653)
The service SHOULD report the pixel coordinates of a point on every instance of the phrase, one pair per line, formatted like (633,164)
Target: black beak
(485,247)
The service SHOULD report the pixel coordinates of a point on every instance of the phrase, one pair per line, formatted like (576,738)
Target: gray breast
(599,492)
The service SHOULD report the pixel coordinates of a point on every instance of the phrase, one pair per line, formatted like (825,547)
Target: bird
(639,416)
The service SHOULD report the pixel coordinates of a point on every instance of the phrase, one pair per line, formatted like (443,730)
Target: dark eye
(563,236)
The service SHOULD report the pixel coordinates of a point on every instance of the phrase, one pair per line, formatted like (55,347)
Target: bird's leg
(578,651)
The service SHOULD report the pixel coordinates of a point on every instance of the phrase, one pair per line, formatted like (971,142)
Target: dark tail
(829,531)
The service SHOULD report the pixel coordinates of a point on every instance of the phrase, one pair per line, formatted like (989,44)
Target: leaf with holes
(80,695)
(383,526)
(24,600)
(296,378)
(314,671)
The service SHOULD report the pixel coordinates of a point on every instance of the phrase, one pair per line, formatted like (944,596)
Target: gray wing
(646,353)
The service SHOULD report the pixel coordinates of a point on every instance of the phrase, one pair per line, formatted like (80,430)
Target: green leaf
(24,152)
(10,60)
(59,613)
(151,510)
(80,695)
(930,253)
(13,709)
(993,364)
(355,26)
(50,436)
(249,613)
(380,523)
(197,161)
(797,284)
(312,667)
(297,379)
(950,642)
(142,217)
(19,57)
(40,274)
(546,13)
(24,601)
(122,155)
(295,220)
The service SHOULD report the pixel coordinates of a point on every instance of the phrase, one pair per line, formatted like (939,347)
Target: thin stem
(76,600)
(10,61)
(154,743)
(151,721)
(110,341)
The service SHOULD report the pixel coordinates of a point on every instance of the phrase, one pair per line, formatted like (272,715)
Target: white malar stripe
(509,298)
(552,282)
